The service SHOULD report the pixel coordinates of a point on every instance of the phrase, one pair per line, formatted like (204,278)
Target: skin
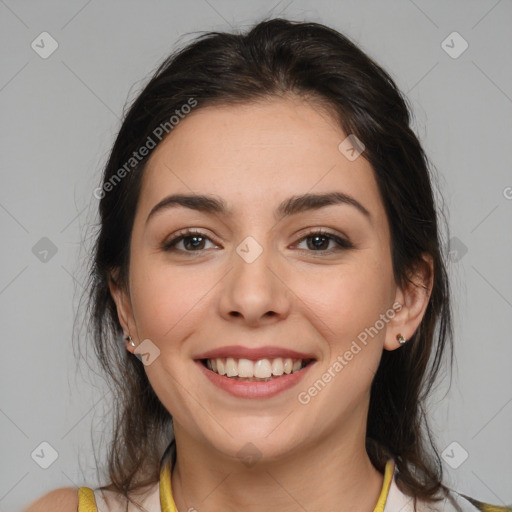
(254,156)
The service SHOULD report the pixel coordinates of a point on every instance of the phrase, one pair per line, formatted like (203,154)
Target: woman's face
(256,280)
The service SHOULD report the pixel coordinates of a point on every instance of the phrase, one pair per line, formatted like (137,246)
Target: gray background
(59,117)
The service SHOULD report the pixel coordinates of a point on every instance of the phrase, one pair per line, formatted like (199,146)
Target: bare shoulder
(64,499)
(143,499)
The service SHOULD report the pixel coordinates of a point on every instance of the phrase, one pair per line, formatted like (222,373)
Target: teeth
(277,366)
(261,369)
(246,368)
(221,368)
(231,367)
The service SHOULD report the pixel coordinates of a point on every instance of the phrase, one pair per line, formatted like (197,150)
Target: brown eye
(320,241)
(192,241)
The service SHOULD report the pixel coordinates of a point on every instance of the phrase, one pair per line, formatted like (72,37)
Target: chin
(256,445)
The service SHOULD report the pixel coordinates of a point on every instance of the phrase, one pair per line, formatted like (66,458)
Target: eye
(319,241)
(192,241)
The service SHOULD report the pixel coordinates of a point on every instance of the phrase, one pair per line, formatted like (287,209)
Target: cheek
(166,300)
(347,301)
(168,306)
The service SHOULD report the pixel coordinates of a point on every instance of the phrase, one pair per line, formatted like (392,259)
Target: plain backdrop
(59,116)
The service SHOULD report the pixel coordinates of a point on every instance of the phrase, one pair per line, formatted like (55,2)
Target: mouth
(260,370)
(255,372)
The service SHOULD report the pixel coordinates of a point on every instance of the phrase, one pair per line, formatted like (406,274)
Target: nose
(255,293)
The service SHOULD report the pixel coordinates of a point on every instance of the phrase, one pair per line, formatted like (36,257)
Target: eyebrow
(290,206)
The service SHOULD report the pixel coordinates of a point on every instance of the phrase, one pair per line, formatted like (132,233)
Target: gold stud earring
(400,339)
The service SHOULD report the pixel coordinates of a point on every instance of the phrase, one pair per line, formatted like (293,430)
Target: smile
(243,380)
(253,371)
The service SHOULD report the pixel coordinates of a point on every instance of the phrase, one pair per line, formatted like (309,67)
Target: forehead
(256,153)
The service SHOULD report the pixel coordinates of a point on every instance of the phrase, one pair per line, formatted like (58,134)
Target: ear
(121,297)
(413,299)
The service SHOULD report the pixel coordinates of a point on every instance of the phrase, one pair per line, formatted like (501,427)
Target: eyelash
(343,244)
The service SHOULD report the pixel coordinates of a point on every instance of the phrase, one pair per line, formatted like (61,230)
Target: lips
(254,372)
(254,354)
(254,388)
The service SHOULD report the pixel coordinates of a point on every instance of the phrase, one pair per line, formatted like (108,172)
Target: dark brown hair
(276,58)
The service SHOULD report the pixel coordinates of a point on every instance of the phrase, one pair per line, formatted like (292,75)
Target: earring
(129,339)
(400,339)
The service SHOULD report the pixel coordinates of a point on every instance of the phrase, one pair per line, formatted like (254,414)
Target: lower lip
(263,389)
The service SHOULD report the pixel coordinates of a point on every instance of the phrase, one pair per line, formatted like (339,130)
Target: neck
(333,473)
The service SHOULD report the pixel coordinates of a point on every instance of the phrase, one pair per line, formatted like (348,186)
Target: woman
(269,252)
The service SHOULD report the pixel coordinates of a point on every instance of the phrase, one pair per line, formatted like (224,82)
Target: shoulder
(147,498)
(64,499)
(453,502)
(485,507)
(458,502)
(67,499)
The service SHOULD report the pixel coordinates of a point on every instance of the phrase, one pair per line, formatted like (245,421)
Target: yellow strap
(86,501)
(166,500)
(388,476)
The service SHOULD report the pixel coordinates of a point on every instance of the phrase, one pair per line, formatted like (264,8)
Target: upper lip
(240,352)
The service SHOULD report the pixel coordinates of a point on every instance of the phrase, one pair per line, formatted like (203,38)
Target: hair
(273,59)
